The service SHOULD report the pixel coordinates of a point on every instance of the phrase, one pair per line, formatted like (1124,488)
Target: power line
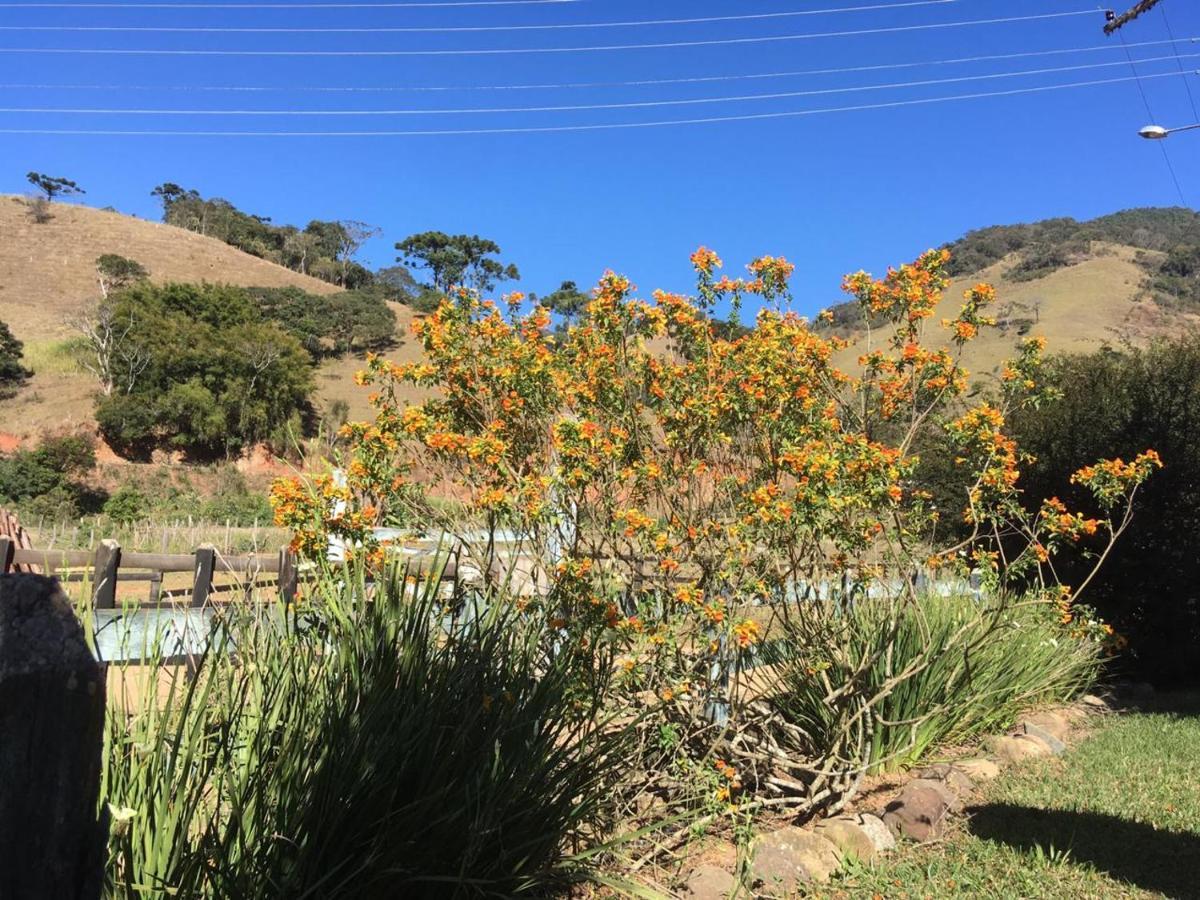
(288,6)
(439,29)
(644,104)
(505,51)
(1146,103)
(541,129)
(699,79)
(1187,86)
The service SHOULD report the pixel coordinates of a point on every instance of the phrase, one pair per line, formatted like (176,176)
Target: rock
(921,810)
(1016,748)
(948,793)
(790,857)
(879,834)
(958,781)
(1029,729)
(1052,722)
(980,769)
(850,838)
(709,883)
(1095,702)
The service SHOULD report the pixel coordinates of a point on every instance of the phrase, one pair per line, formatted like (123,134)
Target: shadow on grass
(1164,861)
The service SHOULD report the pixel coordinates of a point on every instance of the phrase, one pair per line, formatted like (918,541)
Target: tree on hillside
(568,301)
(332,324)
(12,373)
(113,351)
(353,235)
(300,248)
(170,193)
(458,259)
(398,282)
(115,272)
(216,376)
(52,187)
(322,249)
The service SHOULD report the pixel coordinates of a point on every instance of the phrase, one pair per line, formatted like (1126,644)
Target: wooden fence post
(206,562)
(7,549)
(52,838)
(288,577)
(104,574)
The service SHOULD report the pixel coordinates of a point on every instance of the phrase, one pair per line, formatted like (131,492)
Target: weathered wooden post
(206,562)
(7,549)
(51,735)
(288,577)
(104,574)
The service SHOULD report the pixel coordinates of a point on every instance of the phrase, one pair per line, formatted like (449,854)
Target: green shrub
(126,506)
(958,669)
(118,271)
(235,503)
(12,373)
(215,377)
(1040,260)
(128,424)
(362,755)
(47,480)
(61,504)
(333,324)
(1115,404)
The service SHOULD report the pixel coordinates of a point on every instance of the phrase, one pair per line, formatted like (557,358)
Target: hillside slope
(48,270)
(1100,299)
(1127,277)
(1131,276)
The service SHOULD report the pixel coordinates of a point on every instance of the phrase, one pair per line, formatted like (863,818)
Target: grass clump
(939,669)
(363,749)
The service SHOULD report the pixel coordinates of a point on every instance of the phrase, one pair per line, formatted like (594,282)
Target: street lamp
(1157,132)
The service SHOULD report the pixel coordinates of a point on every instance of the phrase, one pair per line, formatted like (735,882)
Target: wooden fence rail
(108,565)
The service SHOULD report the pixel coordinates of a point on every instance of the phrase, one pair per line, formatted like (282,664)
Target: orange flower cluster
(906,295)
(1058,521)
(705,260)
(747,633)
(992,459)
(1112,479)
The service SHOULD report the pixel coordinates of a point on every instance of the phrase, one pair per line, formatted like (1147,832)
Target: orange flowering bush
(646,482)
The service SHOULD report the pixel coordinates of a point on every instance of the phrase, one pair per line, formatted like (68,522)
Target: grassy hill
(1129,276)
(47,272)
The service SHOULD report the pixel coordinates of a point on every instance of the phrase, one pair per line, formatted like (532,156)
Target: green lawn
(1118,816)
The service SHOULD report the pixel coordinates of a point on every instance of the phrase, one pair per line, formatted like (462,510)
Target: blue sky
(831,191)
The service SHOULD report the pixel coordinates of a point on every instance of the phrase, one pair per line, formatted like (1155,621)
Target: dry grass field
(1077,309)
(47,271)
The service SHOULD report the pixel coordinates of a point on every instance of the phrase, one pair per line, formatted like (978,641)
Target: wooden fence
(108,565)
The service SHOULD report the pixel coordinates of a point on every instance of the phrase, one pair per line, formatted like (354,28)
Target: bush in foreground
(362,750)
(680,488)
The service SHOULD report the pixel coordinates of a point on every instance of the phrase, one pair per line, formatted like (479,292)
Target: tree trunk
(52,837)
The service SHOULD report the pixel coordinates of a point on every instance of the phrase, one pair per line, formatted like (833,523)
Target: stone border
(790,857)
